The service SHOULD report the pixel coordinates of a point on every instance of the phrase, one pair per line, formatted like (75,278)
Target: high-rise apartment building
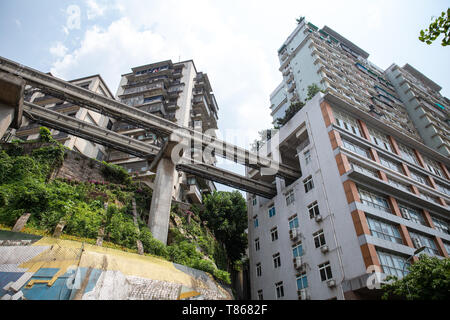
(30,130)
(177,92)
(373,187)
(427,108)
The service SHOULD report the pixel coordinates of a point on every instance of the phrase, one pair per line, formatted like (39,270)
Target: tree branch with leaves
(440,25)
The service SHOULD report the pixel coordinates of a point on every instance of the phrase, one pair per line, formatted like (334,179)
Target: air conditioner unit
(293,233)
(303,294)
(405,213)
(298,263)
(318,218)
(417,243)
(324,249)
(331,283)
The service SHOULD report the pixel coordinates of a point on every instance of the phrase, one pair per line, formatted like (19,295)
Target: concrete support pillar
(158,221)
(11,101)
(6,117)
(165,164)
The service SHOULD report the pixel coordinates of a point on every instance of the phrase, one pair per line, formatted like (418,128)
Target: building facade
(372,189)
(30,130)
(177,92)
(427,108)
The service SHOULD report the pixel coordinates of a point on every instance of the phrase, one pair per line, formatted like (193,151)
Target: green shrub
(152,245)
(204,265)
(115,173)
(222,276)
(45,135)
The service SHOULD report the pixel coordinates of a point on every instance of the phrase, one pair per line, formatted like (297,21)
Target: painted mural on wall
(36,268)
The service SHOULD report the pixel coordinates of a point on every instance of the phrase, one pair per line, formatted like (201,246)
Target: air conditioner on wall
(293,233)
(318,218)
(324,249)
(417,243)
(405,213)
(303,294)
(298,263)
(331,283)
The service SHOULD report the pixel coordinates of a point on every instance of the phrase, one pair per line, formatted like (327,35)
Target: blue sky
(235,42)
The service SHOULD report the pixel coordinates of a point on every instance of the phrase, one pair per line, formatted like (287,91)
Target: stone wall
(76,166)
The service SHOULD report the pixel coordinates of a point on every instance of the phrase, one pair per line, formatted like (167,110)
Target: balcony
(393,190)
(200,103)
(292,87)
(158,88)
(194,194)
(47,99)
(154,108)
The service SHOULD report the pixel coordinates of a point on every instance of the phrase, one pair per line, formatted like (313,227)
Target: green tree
(440,25)
(312,91)
(428,279)
(226,215)
(289,113)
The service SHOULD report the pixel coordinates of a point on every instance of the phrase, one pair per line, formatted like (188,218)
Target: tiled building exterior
(372,189)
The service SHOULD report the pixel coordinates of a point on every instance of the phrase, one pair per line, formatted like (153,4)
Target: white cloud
(18,23)
(241,74)
(58,50)
(95,9)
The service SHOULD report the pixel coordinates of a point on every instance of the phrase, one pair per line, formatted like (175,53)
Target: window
(319,238)
(398,184)
(392,264)
(364,170)
(258,270)
(391,164)
(325,271)
(257,244)
(384,230)
(260,295)
(443,189)
(274,234)
(447,246)
(408,154)
(414,215)
(254,201)
(308,183)
(380,139)
(271,211)
(276,260)
(293,222)
(100,155)
(307,155)
(279,289)
(374,200)
(297,250)
(302,281)
(355,148)
(255,221)
(313,210)
(151,99)
(346,122)
(290,197)
(427,242)
(432,166)
(419,177)
(441,225)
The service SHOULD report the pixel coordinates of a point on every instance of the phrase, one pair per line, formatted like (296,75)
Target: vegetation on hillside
(86,207)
